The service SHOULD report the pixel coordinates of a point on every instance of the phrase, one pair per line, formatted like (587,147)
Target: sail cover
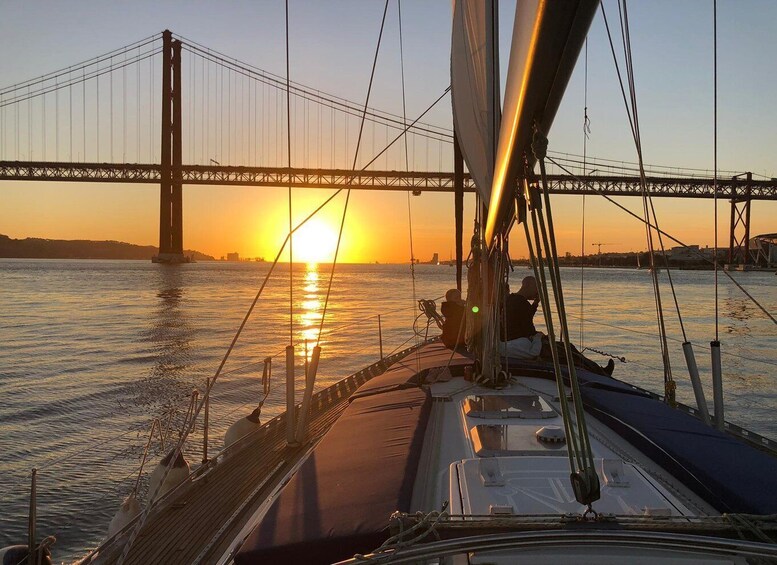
(547,38)
(474,87)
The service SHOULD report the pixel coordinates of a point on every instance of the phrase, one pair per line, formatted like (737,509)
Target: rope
(604,353)
(585,482)
(539,273)
(425,525)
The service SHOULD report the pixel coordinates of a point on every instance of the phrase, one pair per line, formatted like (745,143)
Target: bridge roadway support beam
(739,238)
(170,182)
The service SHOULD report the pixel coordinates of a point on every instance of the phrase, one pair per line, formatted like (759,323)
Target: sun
(315,242)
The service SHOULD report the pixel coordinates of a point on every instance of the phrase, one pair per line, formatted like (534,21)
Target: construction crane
(599,244)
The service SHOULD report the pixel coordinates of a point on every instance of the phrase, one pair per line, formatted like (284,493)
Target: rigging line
(288,148)
(124,113)
(407,168)
(83,113)
(646,194)
(715,148)
(353,167)
(631,111)
(405,130)
(582,229)
(549,243)
(668,235)
(650,198)
(110,110)
(538,266)
(137,113)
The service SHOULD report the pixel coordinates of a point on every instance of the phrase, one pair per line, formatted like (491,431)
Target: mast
(489,327)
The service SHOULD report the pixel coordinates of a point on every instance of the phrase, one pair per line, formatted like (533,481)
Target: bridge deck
(219,175)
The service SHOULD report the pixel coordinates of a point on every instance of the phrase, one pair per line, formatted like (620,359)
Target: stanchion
(205,424)
(310,380)
(717,384)
(32,518)
(380,337)
(698,391)
(290,400)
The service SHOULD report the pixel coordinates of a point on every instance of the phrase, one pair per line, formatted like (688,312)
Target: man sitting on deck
(520,338)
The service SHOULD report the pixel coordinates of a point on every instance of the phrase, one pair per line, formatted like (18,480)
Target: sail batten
(547,39)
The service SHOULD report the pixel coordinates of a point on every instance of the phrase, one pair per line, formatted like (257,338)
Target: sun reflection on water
(311,308)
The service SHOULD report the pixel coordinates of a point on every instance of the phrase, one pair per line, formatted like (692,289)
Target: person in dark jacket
(519,311)
(519,323)
(454,309)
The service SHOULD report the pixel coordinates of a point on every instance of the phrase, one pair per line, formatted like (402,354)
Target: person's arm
(535,304)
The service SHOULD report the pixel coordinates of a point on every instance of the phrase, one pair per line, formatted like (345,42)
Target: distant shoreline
(38,248)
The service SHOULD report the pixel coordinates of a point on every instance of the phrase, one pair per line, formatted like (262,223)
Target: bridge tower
(739,240)
(171,181)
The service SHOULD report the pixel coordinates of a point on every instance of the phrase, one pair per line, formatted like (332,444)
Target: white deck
(482,456)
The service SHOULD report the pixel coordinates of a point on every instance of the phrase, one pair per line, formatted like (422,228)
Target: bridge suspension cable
(93,68)
(315,95)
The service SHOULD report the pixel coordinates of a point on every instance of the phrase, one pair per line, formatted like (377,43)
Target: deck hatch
(526,406)
(501,440)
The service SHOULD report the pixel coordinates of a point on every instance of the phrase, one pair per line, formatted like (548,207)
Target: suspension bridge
(169,111)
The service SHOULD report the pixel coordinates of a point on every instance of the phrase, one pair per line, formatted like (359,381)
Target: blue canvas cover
(340,500)
(544,370)
(729,474)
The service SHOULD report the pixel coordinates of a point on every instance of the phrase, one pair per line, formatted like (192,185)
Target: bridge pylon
(171,178)
(739,238)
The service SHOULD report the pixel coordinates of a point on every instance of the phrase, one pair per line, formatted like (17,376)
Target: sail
(547,38)
(475,87)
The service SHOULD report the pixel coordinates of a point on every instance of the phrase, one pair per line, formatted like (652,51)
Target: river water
(92,351)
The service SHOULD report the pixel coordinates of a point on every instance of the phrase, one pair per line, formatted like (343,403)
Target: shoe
(609,368)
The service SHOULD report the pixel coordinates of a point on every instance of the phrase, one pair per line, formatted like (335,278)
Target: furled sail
(475,87)
(547,38)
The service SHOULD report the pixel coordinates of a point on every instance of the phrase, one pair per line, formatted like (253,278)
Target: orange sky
(254,221)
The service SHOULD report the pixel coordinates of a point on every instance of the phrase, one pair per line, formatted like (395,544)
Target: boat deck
(206,513)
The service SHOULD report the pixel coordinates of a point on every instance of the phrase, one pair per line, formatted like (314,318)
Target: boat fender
(128,510)
(178,474)
(19,554)
(242,427)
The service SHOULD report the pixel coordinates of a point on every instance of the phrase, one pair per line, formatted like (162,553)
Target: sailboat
(433,455)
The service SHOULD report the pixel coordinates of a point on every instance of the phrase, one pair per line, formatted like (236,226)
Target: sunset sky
(332,45)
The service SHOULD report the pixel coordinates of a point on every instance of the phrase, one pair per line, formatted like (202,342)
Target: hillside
(36,248)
